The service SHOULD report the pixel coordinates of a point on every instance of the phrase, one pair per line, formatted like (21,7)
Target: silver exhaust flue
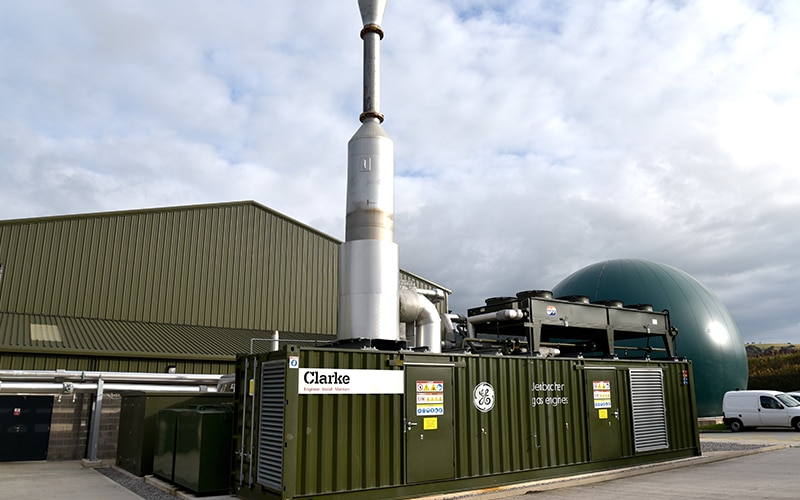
(369,262)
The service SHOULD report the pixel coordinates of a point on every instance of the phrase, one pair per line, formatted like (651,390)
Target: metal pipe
(83,376)
(502,315)
(244,413)
(411,332)
(430,326)
(434,295)
(252,417)
(418,310)
(371,16)
(22,387)
(275,341)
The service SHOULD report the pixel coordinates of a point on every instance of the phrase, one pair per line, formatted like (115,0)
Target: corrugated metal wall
(234,266)
(330,453)
(514,437)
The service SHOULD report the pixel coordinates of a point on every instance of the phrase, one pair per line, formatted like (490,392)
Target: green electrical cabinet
(164,449)
(203,448)
(137,424)
(193,447)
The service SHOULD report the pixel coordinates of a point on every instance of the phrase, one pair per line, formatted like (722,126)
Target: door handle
(410,424)
(616,414)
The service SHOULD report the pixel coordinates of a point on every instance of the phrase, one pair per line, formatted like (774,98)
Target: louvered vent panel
(649,410)
(270,428)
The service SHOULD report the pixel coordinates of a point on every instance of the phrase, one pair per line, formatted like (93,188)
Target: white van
(742,409)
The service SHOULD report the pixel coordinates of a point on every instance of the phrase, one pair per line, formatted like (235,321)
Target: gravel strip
(709,446)
(135,484)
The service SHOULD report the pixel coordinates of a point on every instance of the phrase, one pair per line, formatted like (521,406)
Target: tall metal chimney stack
(368,280)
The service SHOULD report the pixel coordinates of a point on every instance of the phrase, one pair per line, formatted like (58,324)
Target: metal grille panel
(649,410)
(270,427)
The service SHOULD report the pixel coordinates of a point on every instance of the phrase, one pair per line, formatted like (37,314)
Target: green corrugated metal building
(143,290)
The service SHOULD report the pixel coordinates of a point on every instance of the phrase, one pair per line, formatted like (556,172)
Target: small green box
(203,448)
(137,424)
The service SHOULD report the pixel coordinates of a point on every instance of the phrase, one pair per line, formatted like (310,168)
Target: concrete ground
(769,471)
(58,480)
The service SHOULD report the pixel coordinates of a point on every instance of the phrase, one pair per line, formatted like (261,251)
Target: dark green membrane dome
(708,335)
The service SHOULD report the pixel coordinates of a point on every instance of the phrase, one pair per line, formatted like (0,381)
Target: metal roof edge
(202,206)
(426,280)
(174,208)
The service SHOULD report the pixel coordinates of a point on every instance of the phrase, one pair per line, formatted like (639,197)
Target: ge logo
(483,397)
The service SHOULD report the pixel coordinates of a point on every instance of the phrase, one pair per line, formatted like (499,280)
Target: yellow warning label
(430,386)
(601,385)
(430,397)
(603,414)
(430,423)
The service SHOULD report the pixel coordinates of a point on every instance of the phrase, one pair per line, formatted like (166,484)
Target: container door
(602,401)
(430,445)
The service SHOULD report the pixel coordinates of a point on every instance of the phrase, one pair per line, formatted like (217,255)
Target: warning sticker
(430,397)
(430,386)
(430,423)
(435,397)
(602,395)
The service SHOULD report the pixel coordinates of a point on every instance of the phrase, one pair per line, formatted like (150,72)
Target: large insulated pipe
(368,283)
(417,310)
(127,377)
(69,388)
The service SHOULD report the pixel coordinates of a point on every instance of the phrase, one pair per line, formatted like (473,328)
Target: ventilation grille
(270,427)
(649,411)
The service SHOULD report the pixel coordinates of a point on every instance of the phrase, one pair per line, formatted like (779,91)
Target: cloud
(531,138)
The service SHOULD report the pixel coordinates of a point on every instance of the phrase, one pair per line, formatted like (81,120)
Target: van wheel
(736,425)
(796,424)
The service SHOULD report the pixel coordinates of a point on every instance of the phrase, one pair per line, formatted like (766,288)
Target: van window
(770,403)
(787,400)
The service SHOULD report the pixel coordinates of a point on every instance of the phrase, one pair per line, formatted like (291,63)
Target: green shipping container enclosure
(332,423)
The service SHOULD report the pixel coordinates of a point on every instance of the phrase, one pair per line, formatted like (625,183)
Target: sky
(532,138)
